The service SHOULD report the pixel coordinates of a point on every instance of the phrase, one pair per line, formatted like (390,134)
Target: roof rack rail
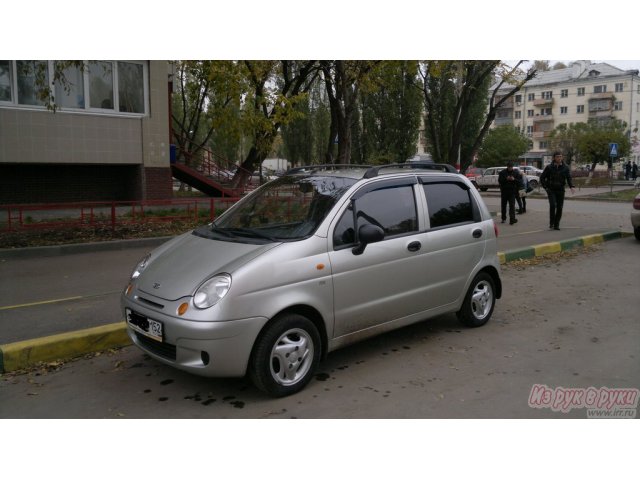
(442,167)
(325,166)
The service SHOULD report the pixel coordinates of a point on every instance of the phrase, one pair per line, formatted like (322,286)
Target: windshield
(289,208)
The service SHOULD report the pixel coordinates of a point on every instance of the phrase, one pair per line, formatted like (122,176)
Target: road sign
(613,149)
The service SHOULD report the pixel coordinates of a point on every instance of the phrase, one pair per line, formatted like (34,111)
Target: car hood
(178,267)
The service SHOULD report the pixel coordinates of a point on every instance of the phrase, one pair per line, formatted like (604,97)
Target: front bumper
(207,348)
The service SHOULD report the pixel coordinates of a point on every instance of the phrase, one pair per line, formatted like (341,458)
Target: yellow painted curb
(547,248)
(592,239)
(19,355)
(502,258)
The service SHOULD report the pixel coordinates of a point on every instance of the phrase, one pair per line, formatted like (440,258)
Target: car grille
(164,350)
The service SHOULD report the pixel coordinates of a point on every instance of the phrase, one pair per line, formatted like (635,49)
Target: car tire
(533,184)
(479,302)
(636,232)
(484,189)
(285,355)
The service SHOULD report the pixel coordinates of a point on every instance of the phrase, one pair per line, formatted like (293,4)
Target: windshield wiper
(245,232)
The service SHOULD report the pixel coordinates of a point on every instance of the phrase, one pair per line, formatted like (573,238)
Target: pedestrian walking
(627,170)
(634,171)
(553,180)
(509,181)
(522,193)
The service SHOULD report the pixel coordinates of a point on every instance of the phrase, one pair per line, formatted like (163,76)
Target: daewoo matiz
(315,260)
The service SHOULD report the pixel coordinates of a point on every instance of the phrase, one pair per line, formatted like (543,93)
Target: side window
(448,203)
(393,209)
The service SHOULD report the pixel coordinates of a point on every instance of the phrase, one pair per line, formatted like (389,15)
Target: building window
(531,97)
(545,111)
(544,145)
(580,109)
(617,105)
(564,110)
(5,81)
(599,89)
(529,129)
(71,94)
(619,87)
(517,114)
(580,91)
(547,95)
(130,87)
(530,113)
(564,93)
(95,86)
(518,98)
(29,72)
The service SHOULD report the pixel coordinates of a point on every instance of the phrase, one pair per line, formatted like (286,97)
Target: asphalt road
(48,295)
(570,323)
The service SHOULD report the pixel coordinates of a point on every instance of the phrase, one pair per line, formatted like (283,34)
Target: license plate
(146,326)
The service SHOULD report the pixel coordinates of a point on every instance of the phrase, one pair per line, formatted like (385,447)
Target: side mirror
(367,234)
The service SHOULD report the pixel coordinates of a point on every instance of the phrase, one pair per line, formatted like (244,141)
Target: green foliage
(502,144)
(391,114)
(589,142)
(593,143)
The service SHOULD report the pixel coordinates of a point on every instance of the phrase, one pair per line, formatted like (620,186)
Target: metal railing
(17,217)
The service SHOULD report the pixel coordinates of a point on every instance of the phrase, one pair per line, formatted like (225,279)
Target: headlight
(212,291)
(142,264)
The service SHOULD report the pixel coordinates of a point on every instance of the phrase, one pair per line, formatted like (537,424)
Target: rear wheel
(533,184)
(478,304)
(285,355)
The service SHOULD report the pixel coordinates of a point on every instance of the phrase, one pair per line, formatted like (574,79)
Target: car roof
(367,171)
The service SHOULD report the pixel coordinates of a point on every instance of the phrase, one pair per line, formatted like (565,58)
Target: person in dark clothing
(509,180)
(553,179)
(634,171)
(522,194)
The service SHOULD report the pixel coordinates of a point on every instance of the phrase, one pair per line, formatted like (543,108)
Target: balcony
(541,102)
(541,135)
(601,96)
(543,118)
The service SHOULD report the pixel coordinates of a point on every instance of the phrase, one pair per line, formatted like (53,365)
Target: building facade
(582,92)
(107,140)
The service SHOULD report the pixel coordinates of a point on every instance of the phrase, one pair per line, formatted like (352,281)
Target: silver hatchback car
(318,259)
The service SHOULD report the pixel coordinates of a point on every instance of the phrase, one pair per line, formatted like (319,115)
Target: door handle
(477,233)
(414,246)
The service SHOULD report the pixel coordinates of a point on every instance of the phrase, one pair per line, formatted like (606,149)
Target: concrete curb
(55,250)
(560,246)
(21,355)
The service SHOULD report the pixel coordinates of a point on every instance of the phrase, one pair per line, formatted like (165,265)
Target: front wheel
(478,304)
(533,184)
(285,356)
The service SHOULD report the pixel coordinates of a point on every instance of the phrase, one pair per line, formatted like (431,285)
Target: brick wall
(158,183)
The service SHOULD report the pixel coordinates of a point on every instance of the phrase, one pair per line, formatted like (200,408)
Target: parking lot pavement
(568,324)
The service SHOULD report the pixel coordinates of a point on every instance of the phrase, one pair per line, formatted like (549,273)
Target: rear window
(448,203)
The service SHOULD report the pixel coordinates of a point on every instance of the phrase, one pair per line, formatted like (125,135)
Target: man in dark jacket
(509,180)
(553,179)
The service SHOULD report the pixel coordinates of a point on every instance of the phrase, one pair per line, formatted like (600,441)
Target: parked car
(489,179)
(473,172)
(529,170)
(635,216)
(313,261)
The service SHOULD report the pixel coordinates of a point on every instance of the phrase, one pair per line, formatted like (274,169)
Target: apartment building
(108,140)
(584,91)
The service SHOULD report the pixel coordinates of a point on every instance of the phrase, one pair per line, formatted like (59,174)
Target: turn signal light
(182,309)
